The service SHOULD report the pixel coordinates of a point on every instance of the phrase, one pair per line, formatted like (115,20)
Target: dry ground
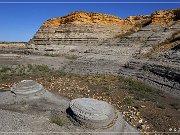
(12,44)
(144,107)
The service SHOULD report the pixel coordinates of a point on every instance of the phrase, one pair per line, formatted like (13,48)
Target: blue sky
(19,22)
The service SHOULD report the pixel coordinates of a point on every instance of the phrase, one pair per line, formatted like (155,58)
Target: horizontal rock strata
(74,34)
(105,43)
(165,16)
(161,75)
(82,28)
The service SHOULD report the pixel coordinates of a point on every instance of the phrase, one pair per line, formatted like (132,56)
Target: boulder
(92,112)
(26,87)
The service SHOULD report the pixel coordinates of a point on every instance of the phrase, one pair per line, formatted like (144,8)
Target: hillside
(108,40)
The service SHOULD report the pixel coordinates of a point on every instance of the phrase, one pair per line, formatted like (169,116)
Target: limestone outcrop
(83,28)
(77,28)
(83,18)
(106,44)
(165,16)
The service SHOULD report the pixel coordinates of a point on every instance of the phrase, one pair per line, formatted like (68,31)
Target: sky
(20,21)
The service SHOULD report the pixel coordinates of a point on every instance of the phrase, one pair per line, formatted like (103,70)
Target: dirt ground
(153,112)
(144,107)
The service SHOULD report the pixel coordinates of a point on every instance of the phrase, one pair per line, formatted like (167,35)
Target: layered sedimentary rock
(137,22)
(27,87)
(77,28)
(83,18)
(74,34)
(165,16)
(158,56)
(82,28)
(106,44)
(163,75)
(93,113)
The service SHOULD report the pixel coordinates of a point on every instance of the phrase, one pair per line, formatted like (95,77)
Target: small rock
(141,120)
(143,106)
(137,113)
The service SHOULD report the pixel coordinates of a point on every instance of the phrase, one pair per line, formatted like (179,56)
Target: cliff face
(158,17)
(165,16)
(77,28)
(83,18)
(82,28)
(133,20)
(146,47)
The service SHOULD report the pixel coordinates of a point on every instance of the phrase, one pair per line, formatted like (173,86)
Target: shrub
(139,89)
(4,69)
(129,100)
(174,106)
(59,120)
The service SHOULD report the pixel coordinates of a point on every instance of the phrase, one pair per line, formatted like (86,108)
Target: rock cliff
(83,18)
(165,16)
(83,28)
(108,44)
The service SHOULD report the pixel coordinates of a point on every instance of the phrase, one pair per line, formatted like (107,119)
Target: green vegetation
(51,55)
(4,69)
(40,69)
(71,57)
(161,106)
(29,70)
(59,120)
(139,89)
(129,100)
(61,72)
(174,106)
(7,73)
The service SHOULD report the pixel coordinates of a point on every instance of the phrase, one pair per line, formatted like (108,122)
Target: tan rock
(165,16)
(84,18)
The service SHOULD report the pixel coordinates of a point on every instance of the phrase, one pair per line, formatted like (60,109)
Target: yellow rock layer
(165,16)
(158,17)
(84,18)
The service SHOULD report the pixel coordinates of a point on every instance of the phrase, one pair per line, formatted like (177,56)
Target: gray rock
(92,112)
(32,113)
(26,87)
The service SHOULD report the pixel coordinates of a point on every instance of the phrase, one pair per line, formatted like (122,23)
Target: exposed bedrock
(163,75)
(165,16)
(30,107)
(83,28)
(105,43)
(74,34)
